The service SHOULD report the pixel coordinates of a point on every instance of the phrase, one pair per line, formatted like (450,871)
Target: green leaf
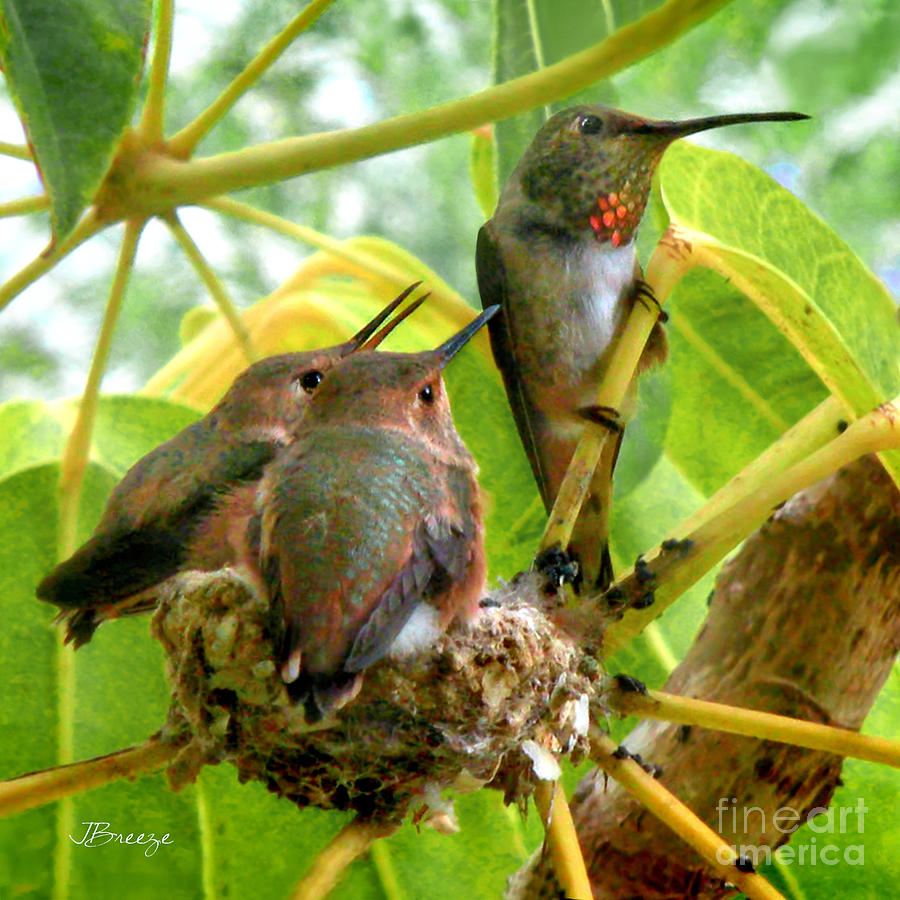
(29,718)
(128,427)
(29,434)
(120,695)
(835,312)
(737,382)
(517,51)
(645,436)
(73,69)
(483,418)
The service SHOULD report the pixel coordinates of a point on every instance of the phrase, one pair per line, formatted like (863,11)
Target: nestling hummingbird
(369,536)
(559,256)
(175,508)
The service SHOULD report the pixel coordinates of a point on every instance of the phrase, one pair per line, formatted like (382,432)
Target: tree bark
(805,622)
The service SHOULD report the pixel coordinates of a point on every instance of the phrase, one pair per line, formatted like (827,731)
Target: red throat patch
(617,220)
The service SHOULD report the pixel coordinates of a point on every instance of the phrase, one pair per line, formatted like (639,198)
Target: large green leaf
(73,69)
(834,311)
(29,434)
(738,384)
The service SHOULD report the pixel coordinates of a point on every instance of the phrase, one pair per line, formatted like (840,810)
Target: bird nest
(491,703)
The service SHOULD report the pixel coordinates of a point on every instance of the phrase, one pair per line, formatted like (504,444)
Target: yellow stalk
(37,788)
(309,236)
(716,536)
(18,151)
(46,260)
(672,812)
(562,839)
(163,182)
(183,143)
(214,286)
(23,206)
(669,262)
(753,723)
(153,116)
(349,843)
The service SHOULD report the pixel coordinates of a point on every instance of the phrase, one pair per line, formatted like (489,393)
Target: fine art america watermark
(817,851)
(97,835)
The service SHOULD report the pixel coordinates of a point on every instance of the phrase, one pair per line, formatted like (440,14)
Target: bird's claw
(606,416)
(558,568)
(643,293)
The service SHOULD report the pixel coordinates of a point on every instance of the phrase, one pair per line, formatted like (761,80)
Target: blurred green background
(367,60)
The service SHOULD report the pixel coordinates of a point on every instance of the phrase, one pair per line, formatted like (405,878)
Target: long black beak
(361,338)
(672,130)
(451,347)
(379,336)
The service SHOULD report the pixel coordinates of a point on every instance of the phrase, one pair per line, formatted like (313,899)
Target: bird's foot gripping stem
(606,416)
(643,293)
(558,568)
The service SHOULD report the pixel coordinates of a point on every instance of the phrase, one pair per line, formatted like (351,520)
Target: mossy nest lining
(456,715)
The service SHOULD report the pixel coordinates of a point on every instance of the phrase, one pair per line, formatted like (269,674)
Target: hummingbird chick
(176,507)
(369,538)
(559,257)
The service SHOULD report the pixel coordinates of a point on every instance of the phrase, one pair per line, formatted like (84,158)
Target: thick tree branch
(805,622)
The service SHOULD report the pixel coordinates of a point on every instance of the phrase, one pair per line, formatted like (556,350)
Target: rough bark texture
(805,621)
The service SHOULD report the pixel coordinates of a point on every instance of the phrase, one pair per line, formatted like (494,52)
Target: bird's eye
(426,395)
(590,124)
(310,380)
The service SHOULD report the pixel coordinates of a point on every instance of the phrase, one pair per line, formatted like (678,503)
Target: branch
(24,206)
(182,144)
(49,785)
(215,287)
(805,622)
(753,723)
(670,260)
(680,820)
(161,182)
(89,225)
(676,568)
(349,843)
(152,118)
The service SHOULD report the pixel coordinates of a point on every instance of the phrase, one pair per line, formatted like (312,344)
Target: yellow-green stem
(308,236)
(669,262)
(813,431)
(676,571)
(753,723)
(37,788)
(162,182)
(43,262)
(23,206)
(672,812)
(182,144)
(214,286)
(75,455)
(72,468)
(349,843)
(562,840)
(18,151)
(153,115)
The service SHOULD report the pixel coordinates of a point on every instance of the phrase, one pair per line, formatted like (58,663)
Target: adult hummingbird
(369,535)
(176,508)
(559,256)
